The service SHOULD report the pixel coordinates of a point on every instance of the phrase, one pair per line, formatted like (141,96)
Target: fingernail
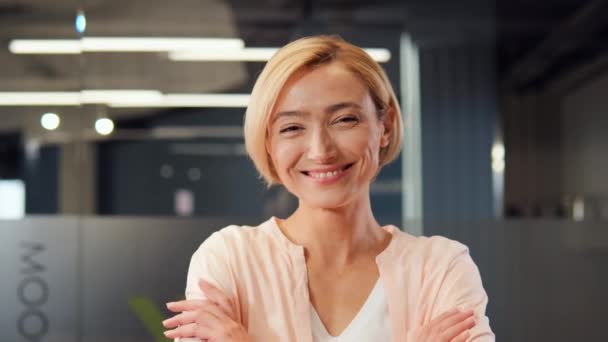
(170,304)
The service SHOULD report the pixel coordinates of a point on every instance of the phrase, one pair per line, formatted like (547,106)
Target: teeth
(322,175)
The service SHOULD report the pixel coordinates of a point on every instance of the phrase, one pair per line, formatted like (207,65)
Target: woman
(322,121)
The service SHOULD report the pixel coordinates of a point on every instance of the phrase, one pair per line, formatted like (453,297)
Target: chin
(326,201)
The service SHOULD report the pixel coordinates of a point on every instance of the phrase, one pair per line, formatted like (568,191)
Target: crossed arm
(211,314)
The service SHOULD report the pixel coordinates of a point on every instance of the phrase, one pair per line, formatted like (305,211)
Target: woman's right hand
(451,326)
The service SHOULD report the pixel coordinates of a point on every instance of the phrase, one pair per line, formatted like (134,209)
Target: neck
(336,237)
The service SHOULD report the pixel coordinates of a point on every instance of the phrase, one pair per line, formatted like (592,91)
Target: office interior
(121,150)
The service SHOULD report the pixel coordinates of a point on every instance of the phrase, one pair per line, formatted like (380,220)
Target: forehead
(321,87)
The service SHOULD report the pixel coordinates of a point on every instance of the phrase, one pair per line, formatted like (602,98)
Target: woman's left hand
(210,320)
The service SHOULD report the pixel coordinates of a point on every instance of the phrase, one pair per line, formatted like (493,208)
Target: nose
(321,147)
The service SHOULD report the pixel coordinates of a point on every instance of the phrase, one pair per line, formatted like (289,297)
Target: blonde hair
(307,53)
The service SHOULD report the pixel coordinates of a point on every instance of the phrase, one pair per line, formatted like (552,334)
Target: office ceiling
(536,41)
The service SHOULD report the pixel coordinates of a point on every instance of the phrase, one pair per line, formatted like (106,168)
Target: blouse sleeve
(462,288)
(209,262)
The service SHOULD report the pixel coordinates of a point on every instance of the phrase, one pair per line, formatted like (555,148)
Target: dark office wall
(10,155)
(41,173)
(534,144)
(555,143)
(130,180)
(458,120)
(584,123)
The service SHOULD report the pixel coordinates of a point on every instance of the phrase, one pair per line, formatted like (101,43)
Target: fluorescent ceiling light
(379,55)
(126,95)
(120,44)
(191,100)
(245,54)
(45,46)
(122,98)
(251,55)
(135,44)
(180,49)
(207,100)
(42,98)
(76,98)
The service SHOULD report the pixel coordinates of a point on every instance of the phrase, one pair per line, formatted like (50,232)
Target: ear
(387,123)
(267,147)
(268,144)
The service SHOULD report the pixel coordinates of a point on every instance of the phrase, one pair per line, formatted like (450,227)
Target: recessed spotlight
(104,126)
(81,22)
(50,121)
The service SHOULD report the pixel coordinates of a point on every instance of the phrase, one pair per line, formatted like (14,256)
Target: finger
(444,316)
(203,326)
(187,317)
(188,330)
(208,319)
(458,328)
(185,305)
(462,337)
(217,296)
(183,318)
(216,311)
(454,319)
(432,327)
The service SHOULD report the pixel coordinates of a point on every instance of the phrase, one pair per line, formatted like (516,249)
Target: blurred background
(121,150)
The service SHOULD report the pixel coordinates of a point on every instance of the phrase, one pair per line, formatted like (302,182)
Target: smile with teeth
(328,174)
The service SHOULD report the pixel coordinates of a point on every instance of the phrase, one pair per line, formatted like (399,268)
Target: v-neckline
(359,316)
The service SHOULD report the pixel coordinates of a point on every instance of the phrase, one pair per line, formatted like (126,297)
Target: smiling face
(325,136)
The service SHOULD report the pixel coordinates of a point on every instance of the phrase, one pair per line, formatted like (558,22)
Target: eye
(290,129)
(350,119)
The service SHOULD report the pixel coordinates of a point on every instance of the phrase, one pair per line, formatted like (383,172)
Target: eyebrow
(336,107)
(289,113)
(330,109)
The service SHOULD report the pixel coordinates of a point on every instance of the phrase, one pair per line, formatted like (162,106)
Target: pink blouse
(265,274)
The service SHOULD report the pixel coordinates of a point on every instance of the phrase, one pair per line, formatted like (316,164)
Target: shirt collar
(271,226)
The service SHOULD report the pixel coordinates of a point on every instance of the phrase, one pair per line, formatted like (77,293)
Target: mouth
(327,174)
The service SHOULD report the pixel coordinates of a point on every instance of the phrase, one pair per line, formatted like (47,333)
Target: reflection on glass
(12,199)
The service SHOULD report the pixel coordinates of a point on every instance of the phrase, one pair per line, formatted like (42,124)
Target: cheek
(372,156)
(373,147)
(365,144)
(284,156)
(371,160)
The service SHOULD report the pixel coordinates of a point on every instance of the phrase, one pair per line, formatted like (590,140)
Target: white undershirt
(371,323)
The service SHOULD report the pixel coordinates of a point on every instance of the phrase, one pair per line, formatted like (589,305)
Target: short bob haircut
(308,53)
